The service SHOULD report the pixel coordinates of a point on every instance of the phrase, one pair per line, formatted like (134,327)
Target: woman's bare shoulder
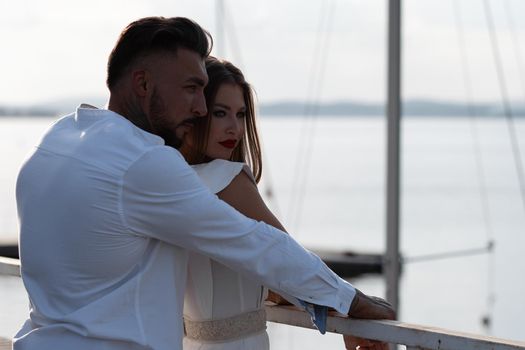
(243,195)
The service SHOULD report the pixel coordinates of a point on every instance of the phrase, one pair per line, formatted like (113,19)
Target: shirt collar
(87,110)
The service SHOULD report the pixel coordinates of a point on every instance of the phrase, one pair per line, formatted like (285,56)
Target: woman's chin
(223,156)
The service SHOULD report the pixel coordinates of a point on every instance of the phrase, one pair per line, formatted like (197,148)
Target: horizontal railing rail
(394,332)
(9,266)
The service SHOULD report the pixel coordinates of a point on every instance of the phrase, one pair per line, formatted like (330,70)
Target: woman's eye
(241,115)
(219,114)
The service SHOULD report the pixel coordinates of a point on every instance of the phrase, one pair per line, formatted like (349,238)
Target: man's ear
(141,82)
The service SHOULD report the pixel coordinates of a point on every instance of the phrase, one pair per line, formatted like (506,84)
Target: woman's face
(227,121)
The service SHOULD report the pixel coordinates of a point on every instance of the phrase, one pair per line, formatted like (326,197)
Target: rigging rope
(226,22)
(232,35)
(219,24)
(482,184)
(510,126)
(517,47)
(311,110)
(505,101)
(489,248)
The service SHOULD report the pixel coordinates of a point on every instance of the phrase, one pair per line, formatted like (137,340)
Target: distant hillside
(25,112)
(420,108)
(51,108)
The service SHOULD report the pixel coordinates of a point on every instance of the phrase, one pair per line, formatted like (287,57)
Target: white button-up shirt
(107,214)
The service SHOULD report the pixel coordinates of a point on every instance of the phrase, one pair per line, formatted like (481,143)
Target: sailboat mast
(219,23)
(392,259)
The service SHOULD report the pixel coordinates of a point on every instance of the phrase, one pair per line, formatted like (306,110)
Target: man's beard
(160,123)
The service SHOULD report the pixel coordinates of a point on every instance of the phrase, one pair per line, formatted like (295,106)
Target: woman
(226,152)
(224,310)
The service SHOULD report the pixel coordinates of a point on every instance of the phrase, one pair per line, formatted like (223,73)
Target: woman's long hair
(249,148)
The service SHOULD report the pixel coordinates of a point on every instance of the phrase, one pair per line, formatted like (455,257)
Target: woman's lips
(228,143)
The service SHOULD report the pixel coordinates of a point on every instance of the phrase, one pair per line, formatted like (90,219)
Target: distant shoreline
(411,108)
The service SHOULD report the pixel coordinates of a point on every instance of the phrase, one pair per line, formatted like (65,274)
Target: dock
(348,264)
(9,250)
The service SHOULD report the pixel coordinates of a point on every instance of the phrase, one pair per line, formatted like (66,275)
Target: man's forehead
(190,64)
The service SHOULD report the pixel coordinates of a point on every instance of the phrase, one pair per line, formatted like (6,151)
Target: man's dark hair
(155,34)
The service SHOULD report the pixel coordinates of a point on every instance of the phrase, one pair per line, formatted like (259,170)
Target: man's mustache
(190,121)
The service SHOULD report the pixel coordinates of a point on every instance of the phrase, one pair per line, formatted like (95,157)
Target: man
(108,211)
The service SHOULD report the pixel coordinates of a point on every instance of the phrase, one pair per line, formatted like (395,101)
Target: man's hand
(369,307)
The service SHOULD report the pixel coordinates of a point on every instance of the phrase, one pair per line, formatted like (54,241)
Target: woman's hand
(277,299)
(368,307)
(355,343)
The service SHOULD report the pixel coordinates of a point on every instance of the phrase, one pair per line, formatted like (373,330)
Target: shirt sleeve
(163,198)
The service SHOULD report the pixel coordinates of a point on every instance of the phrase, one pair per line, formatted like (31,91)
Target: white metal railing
(394,332)
(10,267)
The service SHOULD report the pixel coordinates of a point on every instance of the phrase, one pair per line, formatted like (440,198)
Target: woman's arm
(243,195)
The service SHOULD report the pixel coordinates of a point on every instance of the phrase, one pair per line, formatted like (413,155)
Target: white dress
(215,292)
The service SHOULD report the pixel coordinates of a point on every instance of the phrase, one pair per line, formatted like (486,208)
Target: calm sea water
(459,190)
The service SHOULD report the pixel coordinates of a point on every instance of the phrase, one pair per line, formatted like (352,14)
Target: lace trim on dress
(230,328)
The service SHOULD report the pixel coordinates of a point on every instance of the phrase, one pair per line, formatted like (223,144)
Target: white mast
(219,20)
(392,260)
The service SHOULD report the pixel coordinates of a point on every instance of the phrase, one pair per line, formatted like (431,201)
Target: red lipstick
(229,143)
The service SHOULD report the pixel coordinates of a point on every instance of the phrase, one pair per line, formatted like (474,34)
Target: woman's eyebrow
(243,108)
(222,106)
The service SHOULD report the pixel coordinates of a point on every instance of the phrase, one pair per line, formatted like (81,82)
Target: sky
(329,50)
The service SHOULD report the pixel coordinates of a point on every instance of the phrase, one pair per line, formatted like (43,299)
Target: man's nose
(199,106)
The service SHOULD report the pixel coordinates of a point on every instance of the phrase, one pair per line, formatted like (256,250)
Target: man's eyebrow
(196,80)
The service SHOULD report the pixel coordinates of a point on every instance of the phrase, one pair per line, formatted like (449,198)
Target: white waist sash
(230,328)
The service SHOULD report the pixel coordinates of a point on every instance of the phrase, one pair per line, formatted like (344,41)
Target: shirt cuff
(318,313)
(345,295)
